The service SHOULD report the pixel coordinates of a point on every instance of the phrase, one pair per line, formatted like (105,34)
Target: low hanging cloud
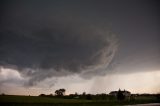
(41,47)
(55,52)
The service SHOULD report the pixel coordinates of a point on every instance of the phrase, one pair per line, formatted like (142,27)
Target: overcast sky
(94,46)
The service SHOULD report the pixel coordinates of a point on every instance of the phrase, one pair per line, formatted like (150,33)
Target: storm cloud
(51,39)
(53,46)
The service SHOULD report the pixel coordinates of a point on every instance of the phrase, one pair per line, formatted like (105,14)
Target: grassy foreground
(48,101)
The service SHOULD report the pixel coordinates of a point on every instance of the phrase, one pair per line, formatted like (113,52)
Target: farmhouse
(124,92)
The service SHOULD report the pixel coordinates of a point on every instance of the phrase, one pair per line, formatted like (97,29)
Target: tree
(42,95)
(60,92)
(63,91)
(84,93)
(120,95)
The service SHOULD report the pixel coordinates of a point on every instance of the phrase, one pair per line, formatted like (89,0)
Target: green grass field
(51,101)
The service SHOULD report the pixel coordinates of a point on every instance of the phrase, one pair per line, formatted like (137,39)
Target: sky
(93,46)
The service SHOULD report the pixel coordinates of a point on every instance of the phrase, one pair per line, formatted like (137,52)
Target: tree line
(120,95)
(60,93)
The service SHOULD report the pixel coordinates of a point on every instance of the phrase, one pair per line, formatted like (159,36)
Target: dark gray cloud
(57,38)
(48,50)
(45,46)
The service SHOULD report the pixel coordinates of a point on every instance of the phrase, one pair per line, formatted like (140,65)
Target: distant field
(51,101)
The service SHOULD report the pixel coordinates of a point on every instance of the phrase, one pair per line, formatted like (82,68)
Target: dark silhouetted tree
(60,92)
(84,93)
(42,95)
(120,95)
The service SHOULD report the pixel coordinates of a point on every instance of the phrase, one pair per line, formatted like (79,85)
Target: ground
(53,101)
